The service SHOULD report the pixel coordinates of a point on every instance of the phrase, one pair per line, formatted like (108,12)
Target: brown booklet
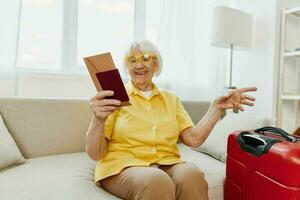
(106,76)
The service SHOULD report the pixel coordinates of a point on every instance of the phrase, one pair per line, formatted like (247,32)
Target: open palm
(235,99)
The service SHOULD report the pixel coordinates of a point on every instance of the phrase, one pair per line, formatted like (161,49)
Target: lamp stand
(230,75)
(231,87)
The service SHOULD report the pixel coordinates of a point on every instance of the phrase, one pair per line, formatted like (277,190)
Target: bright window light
(153,19)
(104,25)
(40,35)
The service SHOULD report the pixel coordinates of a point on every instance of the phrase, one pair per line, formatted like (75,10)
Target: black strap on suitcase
(257,143)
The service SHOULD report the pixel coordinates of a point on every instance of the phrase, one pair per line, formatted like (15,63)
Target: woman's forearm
(203,128)
(96,144)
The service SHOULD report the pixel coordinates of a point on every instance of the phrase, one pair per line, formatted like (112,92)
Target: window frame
(69,44)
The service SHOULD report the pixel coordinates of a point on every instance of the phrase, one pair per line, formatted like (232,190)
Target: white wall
(256,67)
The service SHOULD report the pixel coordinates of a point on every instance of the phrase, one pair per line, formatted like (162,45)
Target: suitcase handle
(277,131)
(254,143)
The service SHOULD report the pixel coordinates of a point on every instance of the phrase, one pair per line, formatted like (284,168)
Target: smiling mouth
(141,73)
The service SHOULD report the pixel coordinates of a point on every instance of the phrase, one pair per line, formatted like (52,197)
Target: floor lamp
(231,29)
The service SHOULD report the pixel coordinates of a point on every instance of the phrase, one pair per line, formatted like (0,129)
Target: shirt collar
(131,89)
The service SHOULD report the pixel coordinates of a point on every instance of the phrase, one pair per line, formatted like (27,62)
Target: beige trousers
(182,181)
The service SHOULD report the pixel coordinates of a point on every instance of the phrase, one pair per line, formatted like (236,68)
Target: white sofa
(50,133)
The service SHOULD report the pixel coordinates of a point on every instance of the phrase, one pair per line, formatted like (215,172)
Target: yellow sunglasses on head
(144,58)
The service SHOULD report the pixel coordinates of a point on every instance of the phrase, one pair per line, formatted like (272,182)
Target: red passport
(111,80)
(106,77)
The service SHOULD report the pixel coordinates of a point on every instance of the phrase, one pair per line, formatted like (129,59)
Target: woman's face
(141,68)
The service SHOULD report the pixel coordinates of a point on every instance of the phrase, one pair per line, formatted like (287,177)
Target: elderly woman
(135,146)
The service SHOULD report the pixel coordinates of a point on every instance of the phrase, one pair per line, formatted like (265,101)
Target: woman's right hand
(102,107)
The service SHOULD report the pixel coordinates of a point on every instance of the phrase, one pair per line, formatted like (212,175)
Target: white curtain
(193,69)
(9,17)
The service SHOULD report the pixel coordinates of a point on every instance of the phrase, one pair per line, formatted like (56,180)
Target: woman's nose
(139,65)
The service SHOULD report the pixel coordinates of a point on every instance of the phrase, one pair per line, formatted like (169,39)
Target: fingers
(248,97)
(236,106)
(107,102)
(247,89)
(99,100)
(245,102)
(102,112)
(236,99)
(240,107)
(225,97)
(106,108)
(105,105)
(101,106)
(102,94)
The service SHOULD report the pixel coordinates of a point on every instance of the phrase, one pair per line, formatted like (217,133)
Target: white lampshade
(231,27)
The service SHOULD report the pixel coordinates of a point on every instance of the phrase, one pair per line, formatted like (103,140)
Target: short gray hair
(146,47)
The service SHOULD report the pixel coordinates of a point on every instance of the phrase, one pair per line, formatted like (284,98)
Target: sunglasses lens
(132,59)
(146,57)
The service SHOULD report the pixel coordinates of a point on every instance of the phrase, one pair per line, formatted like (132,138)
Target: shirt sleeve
(109,124)
(183,118)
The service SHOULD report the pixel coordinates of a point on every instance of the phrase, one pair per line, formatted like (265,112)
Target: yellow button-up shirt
(144,133)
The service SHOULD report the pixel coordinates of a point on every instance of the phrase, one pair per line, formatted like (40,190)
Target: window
(105,25)
(40,34)
(55,35)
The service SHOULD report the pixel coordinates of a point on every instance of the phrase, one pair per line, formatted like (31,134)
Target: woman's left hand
(235,99)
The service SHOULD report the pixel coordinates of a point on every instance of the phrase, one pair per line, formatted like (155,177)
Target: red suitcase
(262,165)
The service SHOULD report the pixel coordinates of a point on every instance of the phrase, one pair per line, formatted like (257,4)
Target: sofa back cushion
(43,127)
(46,126)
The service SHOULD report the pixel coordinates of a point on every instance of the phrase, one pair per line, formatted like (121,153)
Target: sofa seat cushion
(70,177)
(57,177)
(214,170)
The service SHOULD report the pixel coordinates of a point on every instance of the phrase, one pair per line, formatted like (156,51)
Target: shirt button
(153,127)
(153,149)
(148,108)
